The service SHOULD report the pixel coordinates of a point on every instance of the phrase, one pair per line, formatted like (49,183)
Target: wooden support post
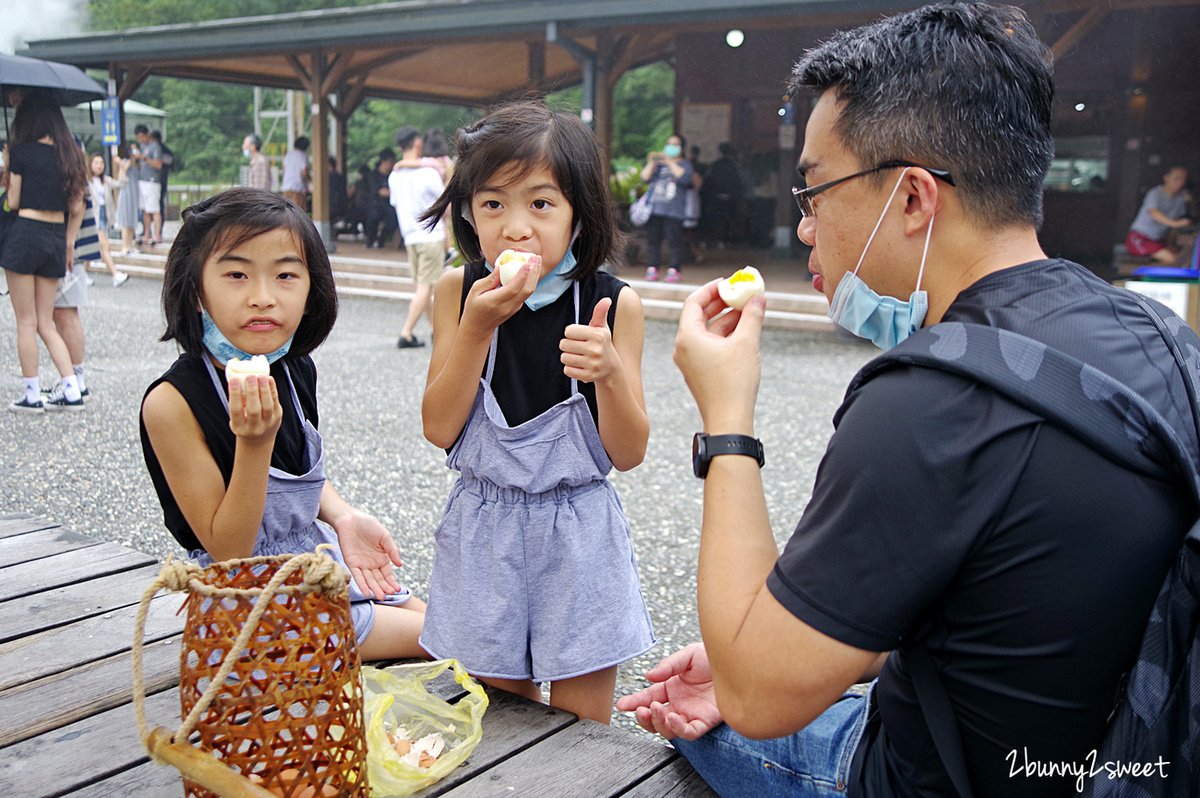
(314,80)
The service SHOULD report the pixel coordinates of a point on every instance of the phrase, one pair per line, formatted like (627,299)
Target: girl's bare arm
(612,361)
(624,425)
(460,346)
(225,521)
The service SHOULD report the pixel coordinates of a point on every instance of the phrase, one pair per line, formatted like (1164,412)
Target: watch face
(699,454)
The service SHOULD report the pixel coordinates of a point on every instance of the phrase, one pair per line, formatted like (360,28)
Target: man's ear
(921,200)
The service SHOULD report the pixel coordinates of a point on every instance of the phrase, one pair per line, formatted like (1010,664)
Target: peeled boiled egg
(736,290)
(236,369)
(510,262)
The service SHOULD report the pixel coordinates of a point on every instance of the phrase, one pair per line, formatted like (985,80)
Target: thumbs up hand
(587,349)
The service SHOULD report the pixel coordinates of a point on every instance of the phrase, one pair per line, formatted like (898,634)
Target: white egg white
(509,263)
(737,294)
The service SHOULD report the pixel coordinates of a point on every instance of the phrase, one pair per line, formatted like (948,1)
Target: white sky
(26,20)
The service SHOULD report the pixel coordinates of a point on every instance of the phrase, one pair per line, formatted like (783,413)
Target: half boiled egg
(736,290)
(241,369)
(510,262)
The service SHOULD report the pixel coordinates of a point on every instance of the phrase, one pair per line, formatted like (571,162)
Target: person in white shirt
(294,184)
(413,190)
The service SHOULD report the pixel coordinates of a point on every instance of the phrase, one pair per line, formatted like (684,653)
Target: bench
(67,609)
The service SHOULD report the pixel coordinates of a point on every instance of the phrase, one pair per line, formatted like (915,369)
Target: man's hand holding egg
(736,290)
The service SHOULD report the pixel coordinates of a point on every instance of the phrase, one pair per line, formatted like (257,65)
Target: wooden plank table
(67,609)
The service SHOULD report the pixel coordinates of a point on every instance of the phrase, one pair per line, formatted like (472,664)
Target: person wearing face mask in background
(259,175)
(949,525)
(669,176)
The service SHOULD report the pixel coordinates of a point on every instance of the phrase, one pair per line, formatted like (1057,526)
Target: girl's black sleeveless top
(529,378)
(189,376)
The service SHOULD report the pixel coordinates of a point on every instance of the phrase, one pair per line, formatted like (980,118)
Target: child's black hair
(527,135)
(226,220)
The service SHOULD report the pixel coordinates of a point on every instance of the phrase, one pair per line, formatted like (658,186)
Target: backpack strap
(1189,366)
(1093,406)
(939,716)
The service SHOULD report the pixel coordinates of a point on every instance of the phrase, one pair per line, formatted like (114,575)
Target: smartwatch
(706,447)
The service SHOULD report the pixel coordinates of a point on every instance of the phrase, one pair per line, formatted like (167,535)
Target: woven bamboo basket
(269,680)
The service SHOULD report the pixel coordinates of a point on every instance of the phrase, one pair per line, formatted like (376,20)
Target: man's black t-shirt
(1024,560)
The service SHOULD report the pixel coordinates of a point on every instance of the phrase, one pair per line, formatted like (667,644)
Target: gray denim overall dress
(290,524)
(534,574)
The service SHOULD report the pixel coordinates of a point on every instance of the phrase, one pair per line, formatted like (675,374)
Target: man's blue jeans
(814,761)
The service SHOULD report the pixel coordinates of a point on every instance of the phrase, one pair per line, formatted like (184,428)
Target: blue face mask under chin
(224,351)
(883,320)
(555,283)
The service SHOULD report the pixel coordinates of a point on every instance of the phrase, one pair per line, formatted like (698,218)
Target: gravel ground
(85,470)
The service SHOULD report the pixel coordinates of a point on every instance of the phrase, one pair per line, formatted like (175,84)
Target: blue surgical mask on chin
(224,351)
(555,282)
(883,320)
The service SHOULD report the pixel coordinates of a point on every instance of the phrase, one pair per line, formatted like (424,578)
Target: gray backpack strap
(1094,407)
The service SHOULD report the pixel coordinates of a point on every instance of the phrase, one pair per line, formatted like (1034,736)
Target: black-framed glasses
(804,196)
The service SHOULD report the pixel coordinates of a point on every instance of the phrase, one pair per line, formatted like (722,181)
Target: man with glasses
(948,523)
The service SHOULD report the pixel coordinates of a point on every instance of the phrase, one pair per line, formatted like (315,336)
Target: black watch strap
(706,447)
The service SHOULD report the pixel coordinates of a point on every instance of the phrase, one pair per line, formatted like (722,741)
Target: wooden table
(67,609)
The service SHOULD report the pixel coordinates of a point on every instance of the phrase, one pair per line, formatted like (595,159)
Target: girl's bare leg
(522,687)
(395,633)
(106,254)
(589,696)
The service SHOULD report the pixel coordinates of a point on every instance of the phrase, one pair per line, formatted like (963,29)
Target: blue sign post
(109,122)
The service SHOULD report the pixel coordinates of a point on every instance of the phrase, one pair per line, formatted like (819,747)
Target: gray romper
(534,575)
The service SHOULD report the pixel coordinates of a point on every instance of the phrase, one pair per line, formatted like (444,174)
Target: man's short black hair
(140,129)
(965,87)
(407,136)
(301,143)
(386,154)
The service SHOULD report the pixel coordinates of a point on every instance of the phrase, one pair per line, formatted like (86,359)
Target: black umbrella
(67,84)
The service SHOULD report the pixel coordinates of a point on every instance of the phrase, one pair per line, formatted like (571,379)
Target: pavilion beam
(337,68)
(587,61)
(1078,31)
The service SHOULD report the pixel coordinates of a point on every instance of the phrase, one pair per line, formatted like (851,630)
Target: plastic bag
(398,697)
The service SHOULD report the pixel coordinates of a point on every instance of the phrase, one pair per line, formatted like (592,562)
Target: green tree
(643,112)
(373,126)
(207,124)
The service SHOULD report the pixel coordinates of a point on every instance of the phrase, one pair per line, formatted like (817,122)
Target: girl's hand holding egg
(510,262)
(736,290)
(490,302)
(254,409)
(236,369)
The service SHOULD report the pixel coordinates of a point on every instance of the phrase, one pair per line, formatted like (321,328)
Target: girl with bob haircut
(535,390)
(237,462)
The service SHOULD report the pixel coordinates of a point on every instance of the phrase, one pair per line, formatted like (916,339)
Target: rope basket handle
(321,573)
